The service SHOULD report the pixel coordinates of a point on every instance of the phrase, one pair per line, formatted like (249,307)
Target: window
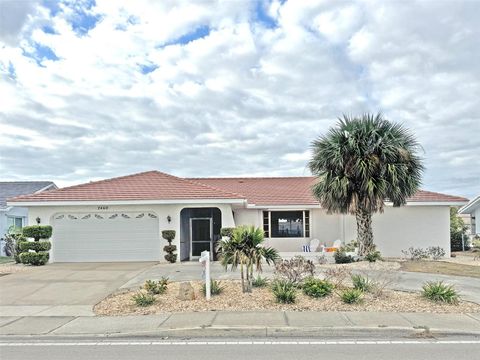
(16,222)
(286,223)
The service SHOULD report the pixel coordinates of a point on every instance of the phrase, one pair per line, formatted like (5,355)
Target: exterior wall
(323,227)
(476,214)
(13,211)
(46,213)
(398,229)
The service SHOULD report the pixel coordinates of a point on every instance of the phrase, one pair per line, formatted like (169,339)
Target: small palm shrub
(215,288)
(362,283)
(143,299)
(284,291)
(317,288)
(439,292)
(156,287)
(260,282)
(351,296)
(373,256)
(341,257)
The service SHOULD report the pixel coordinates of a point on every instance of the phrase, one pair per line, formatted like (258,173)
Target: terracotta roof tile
(151,185)
(295,190)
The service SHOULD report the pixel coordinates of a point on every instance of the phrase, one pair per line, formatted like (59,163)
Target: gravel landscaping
(11,268)
(233,299)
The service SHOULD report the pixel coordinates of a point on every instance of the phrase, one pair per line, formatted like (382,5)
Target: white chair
(314,244)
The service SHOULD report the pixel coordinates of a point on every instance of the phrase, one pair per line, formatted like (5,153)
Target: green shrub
(34,258)
(37,246)
(342,258)
(143,299)
(171,258)
(284,291)
(351,296)
(317,288)
(259,282)
(362,283)
(170,248)
(168,235)
(156,287)
(439,292)
(37,232)
(227,231)
(373,256)
(215,288)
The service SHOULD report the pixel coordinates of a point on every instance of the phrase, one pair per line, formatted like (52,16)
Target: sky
(98,89)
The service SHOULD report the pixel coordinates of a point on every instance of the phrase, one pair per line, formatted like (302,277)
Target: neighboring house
(473,210)
(121,219)
(17,216)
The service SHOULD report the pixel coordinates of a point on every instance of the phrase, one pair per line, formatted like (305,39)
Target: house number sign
(102,207)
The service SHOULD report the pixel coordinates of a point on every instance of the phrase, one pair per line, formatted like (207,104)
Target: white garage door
(97,237)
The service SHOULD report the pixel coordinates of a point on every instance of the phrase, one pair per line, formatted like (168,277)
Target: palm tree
(361,163)
(245,249)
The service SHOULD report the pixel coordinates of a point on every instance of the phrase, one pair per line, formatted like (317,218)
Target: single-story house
(121,219)
(472,209)
(17,216)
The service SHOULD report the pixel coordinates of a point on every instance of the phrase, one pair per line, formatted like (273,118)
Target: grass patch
(5,259)
(441,267)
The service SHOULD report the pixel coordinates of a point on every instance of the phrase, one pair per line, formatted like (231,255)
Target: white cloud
(246,98)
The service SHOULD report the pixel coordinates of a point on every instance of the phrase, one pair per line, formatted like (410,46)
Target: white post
(205,259)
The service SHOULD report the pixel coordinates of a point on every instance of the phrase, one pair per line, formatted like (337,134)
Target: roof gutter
(470,206)
(125,202)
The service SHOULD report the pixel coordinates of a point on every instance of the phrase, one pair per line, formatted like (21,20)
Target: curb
(269,332)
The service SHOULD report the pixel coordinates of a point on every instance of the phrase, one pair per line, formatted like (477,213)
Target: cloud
(208,88)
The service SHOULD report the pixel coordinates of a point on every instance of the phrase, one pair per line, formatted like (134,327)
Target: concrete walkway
(267,323)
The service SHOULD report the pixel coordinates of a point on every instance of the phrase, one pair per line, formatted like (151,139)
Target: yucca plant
(245,249)
(215,287)
(284,291)
(362,283)
(361,163)
(351,296)
(143,299)
(259,281)
(439,292)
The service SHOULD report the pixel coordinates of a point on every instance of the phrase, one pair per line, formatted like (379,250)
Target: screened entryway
(199,231)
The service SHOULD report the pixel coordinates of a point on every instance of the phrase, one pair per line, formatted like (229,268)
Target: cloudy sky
(96,89)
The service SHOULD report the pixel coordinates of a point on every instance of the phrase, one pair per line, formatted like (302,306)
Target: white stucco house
(472,209)
(121,219)
(13,215)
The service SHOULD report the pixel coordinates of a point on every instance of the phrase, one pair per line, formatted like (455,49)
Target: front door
(200,236)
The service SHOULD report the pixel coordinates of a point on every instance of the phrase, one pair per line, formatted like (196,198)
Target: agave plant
(361,163)
(244,249)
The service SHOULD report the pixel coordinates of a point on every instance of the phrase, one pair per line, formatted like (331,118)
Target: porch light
(169,219)
(38,220)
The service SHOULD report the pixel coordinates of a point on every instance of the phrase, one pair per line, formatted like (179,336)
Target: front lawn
(5,259)
(441,267)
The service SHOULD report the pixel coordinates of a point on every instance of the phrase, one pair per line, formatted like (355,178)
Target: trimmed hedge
(37,232)
(34,258)
(168,235)
(170,248)
(37,246)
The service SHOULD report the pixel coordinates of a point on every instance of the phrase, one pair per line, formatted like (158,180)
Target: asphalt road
(232,349)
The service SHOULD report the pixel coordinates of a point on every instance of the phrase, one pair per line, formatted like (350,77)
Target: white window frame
(289,210)
(14,218)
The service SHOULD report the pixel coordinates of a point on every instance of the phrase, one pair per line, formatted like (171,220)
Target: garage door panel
(111,237)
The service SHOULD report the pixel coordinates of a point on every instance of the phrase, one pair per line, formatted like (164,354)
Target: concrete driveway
(63,289)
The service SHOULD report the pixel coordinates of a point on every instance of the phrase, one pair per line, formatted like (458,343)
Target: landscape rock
(186,291)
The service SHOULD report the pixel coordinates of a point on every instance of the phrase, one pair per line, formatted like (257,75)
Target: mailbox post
(205,259)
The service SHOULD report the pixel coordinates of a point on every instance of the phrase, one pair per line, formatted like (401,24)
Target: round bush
(35,246)
(34,258)
(317,288)
(170,248)
(168,235)
(171,258)
(37,232)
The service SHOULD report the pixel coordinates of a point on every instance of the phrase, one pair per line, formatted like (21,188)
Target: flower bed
(233,299)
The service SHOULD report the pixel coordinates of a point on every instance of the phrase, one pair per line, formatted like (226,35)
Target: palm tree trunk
(364,232)
(241,274)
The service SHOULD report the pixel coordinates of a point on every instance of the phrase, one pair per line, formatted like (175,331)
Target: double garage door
(97,237)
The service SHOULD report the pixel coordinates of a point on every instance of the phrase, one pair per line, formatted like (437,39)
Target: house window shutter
(307,223)
(266,224)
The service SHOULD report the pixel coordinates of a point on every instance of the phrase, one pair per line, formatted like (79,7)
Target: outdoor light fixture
(38,220)
(169,219)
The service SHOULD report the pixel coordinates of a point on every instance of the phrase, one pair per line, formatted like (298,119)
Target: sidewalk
(246,324)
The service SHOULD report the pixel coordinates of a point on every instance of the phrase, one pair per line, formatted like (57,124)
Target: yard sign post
(205,259)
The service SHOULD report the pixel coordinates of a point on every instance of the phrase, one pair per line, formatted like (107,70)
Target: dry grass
(442,267)
(233,299)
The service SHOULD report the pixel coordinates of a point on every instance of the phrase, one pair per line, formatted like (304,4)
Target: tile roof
(155,185)
(10,189)
(295,190)
(150,185)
